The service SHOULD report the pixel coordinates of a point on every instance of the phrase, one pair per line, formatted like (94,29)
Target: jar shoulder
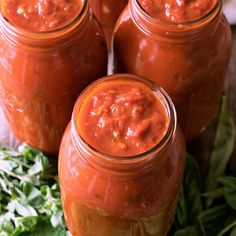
(126,24)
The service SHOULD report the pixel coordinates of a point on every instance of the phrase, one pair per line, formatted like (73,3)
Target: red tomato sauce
(177,10)
(108,195)
(122,118)
(189,60)
(41,15)
(42,74)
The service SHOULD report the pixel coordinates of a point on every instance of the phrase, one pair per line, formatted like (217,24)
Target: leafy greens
(29,194)
(208,207)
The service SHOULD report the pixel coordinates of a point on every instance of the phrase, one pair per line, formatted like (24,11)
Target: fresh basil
(29,194)
(190,200)
(46,229)
(188,231)
(212,220)
(229,184)
(210,209)
(223,149)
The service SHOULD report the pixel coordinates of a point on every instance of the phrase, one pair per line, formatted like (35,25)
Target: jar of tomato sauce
(107,12)
(184,46)
(50,51)
(121,160)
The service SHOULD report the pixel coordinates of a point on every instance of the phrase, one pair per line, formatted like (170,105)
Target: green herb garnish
(207,207)
(29,194)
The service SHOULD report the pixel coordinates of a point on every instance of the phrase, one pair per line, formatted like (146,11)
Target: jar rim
(44,34)
(167,102)
(179,25)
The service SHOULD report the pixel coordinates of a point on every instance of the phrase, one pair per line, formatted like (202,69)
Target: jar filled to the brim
(184,46)
(50,51)
(121,160)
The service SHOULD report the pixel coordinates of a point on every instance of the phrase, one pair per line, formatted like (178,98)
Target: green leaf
(33,194)
(25,224)
(45,229)
(227,229)
(21,208)
(188,231)
(233,232)
(57,219)
(52,205)
(210,220)
(181,216)
(190,200)
(193,186)
(215,193)
(38,167)
(7,166)
(229,184)
(223,148)
(28,194)
(5,223)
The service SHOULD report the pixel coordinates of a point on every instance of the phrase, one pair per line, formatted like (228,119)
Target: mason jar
(121,160)
(42,74)
(184,49)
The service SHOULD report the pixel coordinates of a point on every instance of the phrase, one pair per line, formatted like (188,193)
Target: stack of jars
(121,158)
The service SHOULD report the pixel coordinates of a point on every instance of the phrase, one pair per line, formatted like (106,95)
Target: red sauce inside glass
(177,10)
(121,194)
(178,45)
(122,118)
(41,15)
(42,72)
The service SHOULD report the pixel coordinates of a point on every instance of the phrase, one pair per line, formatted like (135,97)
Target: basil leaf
(215,193)
(24,224)
(52,205)
(189,231)
(233,232)
(190,200)
(227,229)
(45,229)
(181,215)
(33,194)
(223,148)
(7,166)
(6,226)
(218,216)
(212,220)
(229,184)
(29,194)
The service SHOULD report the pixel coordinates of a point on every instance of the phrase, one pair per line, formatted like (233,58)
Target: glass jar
(107,12)
(113,195)
(43,73)
(189,59)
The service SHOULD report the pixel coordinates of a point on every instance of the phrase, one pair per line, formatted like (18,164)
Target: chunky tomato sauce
(122,118)
(42,74)
(124,195)
(189,60)
(41,15)
(177,10)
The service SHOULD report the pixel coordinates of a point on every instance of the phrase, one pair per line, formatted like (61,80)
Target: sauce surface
(122,118)
(177,10)
(41,15)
